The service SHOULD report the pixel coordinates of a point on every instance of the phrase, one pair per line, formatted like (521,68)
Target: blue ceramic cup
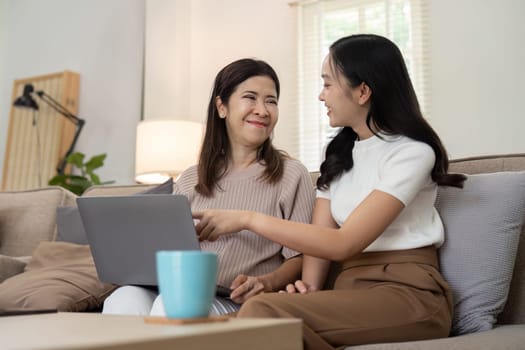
(187,280)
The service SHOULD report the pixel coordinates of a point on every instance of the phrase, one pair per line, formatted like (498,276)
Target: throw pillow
(69,226)
(164,188)
(28,218)
(59,276)
(483,223)
(69,223)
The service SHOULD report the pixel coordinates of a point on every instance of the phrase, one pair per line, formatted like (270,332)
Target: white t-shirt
(402,168)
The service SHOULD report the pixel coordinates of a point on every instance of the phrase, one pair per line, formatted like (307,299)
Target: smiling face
(346,105)
(251,112)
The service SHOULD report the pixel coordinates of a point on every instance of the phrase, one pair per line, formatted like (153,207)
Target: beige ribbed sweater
(246,252)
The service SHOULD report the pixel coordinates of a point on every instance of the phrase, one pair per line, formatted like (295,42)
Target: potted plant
(78,183)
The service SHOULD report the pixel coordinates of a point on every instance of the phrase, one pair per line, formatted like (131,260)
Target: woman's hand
(299,287)
(245,287)
(215,223)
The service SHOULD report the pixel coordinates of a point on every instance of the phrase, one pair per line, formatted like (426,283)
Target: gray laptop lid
(125,232)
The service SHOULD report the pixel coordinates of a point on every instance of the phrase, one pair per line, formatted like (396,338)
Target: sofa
(28,239)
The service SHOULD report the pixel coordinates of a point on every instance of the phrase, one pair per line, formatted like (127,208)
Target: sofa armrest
(10,266)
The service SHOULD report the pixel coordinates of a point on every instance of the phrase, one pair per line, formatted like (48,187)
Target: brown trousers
(378,297)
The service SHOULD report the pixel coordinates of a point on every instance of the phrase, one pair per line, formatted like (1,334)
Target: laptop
(125,232)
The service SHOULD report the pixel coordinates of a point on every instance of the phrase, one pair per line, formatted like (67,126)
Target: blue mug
(187,280)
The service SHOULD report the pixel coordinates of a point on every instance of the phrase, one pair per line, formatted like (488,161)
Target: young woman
(374,212)
(240,169)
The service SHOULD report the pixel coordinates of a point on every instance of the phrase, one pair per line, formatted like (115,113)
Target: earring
(223,116)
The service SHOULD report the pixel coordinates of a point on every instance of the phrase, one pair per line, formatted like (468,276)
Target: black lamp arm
(71,117)
(62,166)
(59,108)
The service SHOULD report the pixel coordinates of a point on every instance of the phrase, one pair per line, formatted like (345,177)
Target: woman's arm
(377,211)
(244,287)
(289,270)
(316,269)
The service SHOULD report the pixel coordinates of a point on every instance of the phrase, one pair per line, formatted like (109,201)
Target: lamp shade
(165,148)
(26,100)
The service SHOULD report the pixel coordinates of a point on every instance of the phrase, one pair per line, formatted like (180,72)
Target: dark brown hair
(215,150)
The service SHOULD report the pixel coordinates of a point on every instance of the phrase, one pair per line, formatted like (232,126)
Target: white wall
(3,81)
(194,39)
(478,75)
(102,40)
(167,59)
(477,65)
(477,55)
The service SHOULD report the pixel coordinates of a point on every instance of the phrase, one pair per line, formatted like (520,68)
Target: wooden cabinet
(38,140)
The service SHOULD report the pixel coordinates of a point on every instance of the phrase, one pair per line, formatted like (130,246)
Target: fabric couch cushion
(514,311)
(28,218)
(164,188)
(104,190)
(488,164)
(69,226)
(510,337)
(60,275)
(483,222)
(10,266)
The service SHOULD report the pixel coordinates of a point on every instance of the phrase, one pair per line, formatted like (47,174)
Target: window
(324,21)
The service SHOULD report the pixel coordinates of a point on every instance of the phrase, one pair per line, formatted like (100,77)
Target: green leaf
(80,183)
(94,178)
(76,159)
(95,162)
(78,190)
(76,180)
(58,180)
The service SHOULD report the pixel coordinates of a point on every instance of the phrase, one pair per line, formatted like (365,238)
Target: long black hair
(215,150)
(394,108)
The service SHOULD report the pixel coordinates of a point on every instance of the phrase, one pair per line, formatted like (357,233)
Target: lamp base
(154,178)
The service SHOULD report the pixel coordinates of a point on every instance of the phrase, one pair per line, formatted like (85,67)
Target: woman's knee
(158,307)
(129,300)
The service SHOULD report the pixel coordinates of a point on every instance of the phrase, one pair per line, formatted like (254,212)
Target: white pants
(220,306)
(132,300)
(129,300)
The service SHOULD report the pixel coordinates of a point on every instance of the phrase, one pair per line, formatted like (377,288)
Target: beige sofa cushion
(488,164)
(28,218)
(59,276)
(10,266)
(100,190)
(499,338)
